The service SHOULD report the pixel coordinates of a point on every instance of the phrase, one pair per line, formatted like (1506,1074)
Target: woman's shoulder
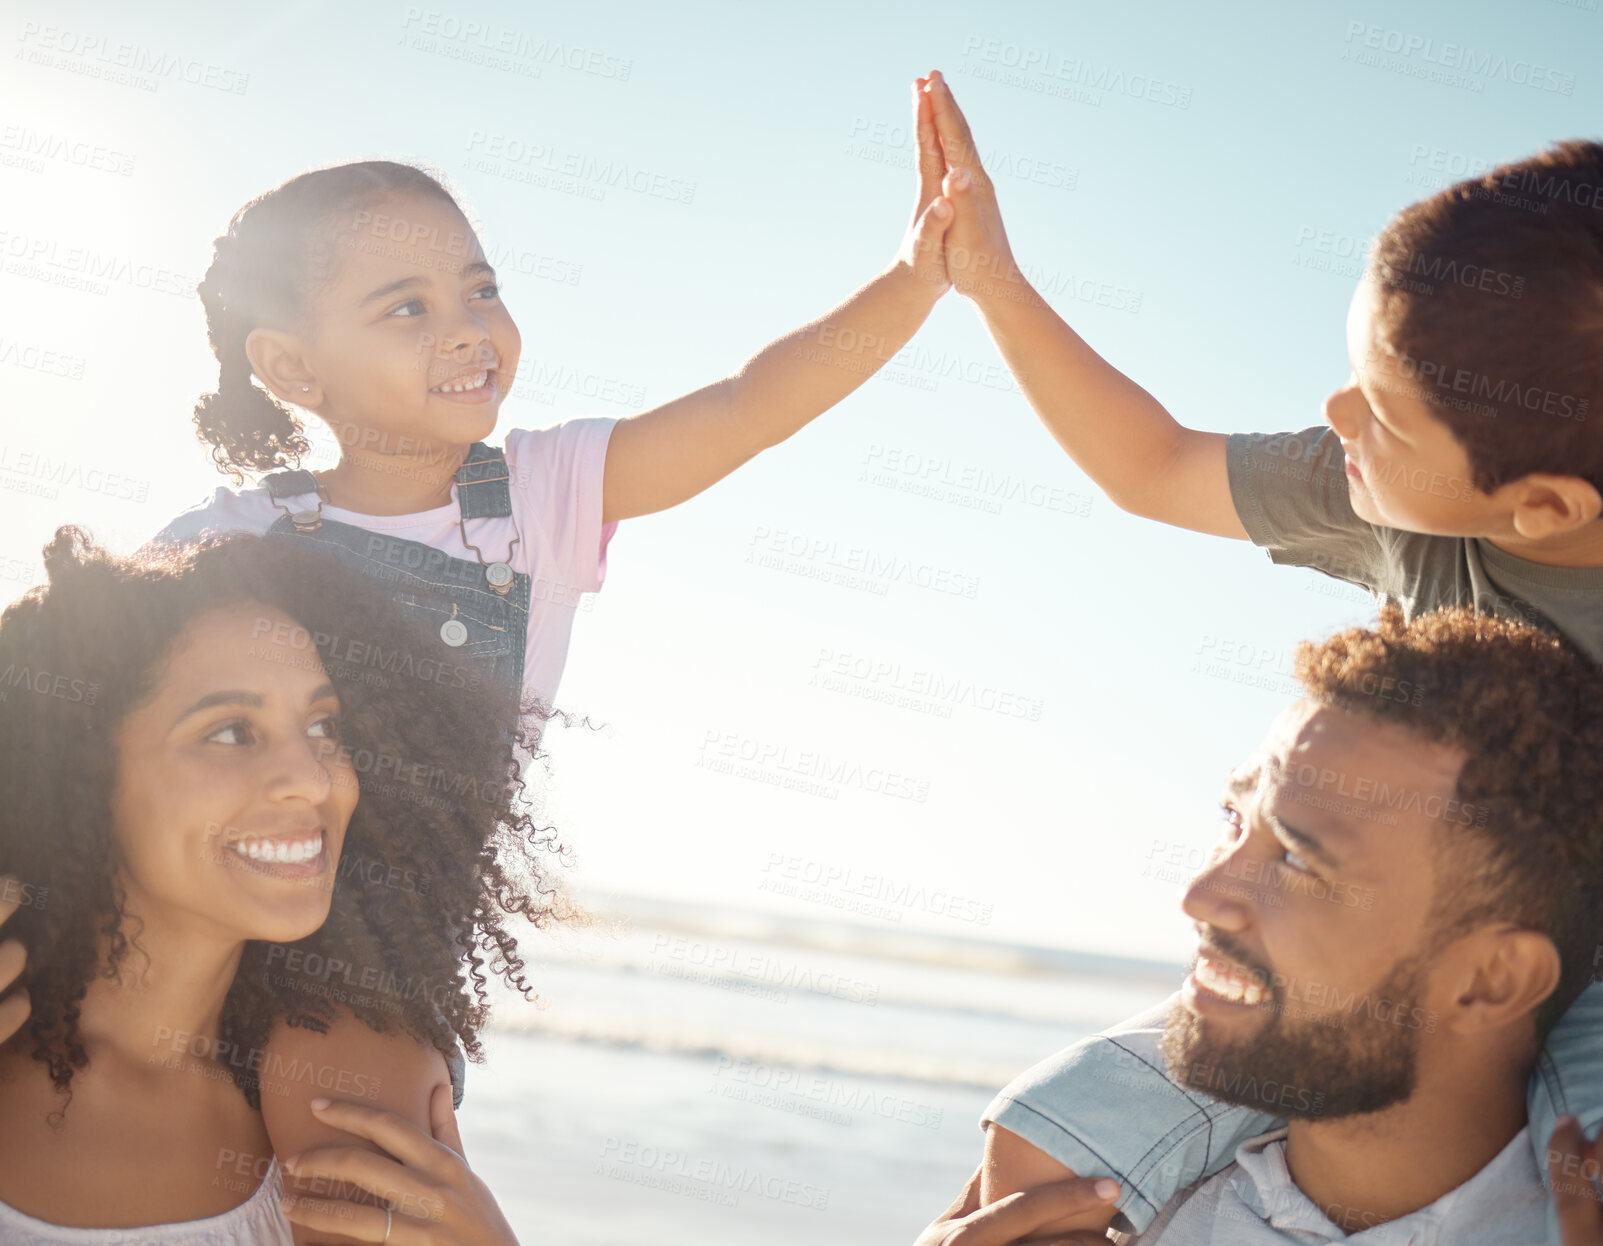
(135,1124)
(258,1221)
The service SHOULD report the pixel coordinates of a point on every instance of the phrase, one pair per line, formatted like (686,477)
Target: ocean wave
(774,1049)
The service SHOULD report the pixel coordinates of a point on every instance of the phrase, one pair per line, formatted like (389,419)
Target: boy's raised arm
(1119,434)
(669,454)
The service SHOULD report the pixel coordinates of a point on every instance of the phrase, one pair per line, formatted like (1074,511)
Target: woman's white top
(255,1222)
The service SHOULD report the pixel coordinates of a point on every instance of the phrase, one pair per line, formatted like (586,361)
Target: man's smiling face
(1311,988)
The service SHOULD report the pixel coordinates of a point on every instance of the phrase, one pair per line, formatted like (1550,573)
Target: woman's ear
(276,360)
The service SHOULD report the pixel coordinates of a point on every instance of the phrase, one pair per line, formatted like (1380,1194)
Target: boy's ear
(275,357)
(1547,505)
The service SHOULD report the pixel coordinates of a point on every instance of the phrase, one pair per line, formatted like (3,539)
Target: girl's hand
(1573,1174)
(432,1196)
(923,248)
(979,260)
(14,1008)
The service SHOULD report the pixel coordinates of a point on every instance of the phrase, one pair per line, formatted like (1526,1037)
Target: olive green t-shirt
(1290,490)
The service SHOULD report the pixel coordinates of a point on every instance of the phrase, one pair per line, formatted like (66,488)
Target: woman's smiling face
(233,791)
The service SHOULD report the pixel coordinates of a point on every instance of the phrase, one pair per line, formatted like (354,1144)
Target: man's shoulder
(1188,1219)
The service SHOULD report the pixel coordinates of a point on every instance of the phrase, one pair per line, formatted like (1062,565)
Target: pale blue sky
(785,128)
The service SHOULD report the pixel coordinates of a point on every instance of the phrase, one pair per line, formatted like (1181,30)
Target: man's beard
(1299,1069)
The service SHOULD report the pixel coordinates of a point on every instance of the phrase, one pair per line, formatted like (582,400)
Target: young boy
(1458,466)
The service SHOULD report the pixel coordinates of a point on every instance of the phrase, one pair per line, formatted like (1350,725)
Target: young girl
(243,910)
(360,293)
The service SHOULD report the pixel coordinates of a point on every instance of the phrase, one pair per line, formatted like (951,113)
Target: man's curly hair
(440,799)
(1527,711)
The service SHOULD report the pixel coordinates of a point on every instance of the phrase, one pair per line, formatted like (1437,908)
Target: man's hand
(1573,1175)
(979,260)
(1014,1218)
(923,247)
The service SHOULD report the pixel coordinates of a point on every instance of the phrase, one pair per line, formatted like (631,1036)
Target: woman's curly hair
(443,845)
(1525,844)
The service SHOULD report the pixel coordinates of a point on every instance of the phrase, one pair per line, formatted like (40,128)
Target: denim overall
(472,620)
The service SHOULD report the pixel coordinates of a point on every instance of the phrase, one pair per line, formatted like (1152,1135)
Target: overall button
(454,632)
(306,521)
(499,576)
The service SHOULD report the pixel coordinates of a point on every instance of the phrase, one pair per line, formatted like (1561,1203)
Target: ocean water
(692,1075)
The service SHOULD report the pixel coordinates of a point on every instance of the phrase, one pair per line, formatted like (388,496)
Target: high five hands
(956,237)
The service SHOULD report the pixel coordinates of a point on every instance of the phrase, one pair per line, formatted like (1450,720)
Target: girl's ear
(276,359)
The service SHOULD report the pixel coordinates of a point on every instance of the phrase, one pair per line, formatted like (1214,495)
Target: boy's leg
(1106,1107)
(1568,1080)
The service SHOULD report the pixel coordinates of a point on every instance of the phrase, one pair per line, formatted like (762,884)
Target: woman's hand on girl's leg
(430,1194)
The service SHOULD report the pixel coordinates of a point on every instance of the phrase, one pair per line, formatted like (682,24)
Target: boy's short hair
(1524,842)
(1490,309)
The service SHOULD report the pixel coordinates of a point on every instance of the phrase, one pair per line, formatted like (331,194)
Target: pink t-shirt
(555,481)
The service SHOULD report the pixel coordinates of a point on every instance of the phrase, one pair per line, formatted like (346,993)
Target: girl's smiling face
(408,346)
(233,791)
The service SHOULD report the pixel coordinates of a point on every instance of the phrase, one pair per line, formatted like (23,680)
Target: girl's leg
(1106,1107)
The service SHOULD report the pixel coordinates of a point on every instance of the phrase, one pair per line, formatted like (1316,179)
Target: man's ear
(1546,505)
(1509,973)
(276,359)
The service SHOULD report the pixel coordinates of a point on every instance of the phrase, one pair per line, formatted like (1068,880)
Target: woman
(215,919)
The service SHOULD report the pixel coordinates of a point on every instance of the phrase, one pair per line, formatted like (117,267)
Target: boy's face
(1404,468)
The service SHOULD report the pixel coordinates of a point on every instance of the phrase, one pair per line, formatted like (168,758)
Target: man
(1407,893)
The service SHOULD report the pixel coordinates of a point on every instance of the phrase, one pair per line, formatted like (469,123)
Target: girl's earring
(306,389)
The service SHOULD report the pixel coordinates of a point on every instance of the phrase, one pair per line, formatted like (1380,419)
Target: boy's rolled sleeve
(1106,1107)
(1290,492)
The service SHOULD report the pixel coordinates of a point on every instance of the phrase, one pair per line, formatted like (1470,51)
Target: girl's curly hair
(440,851)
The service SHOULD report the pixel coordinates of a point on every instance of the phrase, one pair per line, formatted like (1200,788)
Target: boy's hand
(1572,1173)
(979,260)
(923,249)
